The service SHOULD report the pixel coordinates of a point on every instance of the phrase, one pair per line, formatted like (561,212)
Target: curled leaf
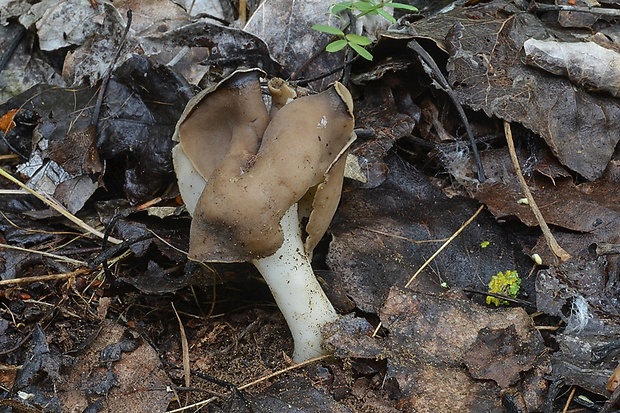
(366,7)
(340,7)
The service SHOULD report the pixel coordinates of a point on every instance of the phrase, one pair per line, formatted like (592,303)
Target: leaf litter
(431,346)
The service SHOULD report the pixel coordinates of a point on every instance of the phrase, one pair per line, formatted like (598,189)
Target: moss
(507,284)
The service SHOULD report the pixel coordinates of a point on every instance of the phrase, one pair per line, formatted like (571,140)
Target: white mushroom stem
(296,290)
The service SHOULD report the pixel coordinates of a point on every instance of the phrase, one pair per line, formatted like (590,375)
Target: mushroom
(260,179)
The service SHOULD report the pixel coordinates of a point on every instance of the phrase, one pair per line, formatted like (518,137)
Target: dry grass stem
(52,203)
(203,403)
(413,241)
(570,399)
(185,349)
(49,277)
(46,254)
(435,254)
(551,241)
(445,244)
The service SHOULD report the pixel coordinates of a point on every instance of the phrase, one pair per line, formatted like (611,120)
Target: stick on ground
(551,241)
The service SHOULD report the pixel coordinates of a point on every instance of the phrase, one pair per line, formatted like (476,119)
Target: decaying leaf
(377,245)
(448,354)
(487,71)
(586,64)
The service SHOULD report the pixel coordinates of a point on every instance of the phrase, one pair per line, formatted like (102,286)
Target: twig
(243,17)
(305,82)
(517,301)
(551,241)
(49,277)
(432,257)
(413,241)
(570,398)
(184,349)
(47,254)
(109,252)
(611,402)
(52,203)
(601,11)
(106,77)
(445,86)
(6,57)
(203,403)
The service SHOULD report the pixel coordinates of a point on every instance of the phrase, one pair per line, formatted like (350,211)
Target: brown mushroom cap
(229,118)
(238,214)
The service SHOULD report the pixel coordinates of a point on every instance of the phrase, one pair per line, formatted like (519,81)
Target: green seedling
(358,9)
(507,284)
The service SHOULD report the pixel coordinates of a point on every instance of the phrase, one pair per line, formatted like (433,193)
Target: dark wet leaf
(143,104)
(221,48)
(432,336)
(156,281)
(487,70)
(584,296)
(26,68)
(38,376)
(62,135)
(298,395)
(134,131)
(381,237)
(445,353)
(286,27)
(378,117)
(591,209)
(17,227)
(133,382)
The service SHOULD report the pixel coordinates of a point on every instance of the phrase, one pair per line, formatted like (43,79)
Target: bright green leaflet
(359,8)
(507,283)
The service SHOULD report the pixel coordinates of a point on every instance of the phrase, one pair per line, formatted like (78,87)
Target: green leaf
(340,7)
(366,7)
(357,39)
(400,6)
(328,29)
(387,16)
(361,51)
(336,46)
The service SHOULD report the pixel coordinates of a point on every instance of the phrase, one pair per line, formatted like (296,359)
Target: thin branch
(551,241)
(52,203)
(445,244)
(43,278)
(601,11)
(445,86)
(432,257)
(202,403)
(46,254)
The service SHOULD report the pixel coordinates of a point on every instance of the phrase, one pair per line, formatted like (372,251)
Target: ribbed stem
(297,291)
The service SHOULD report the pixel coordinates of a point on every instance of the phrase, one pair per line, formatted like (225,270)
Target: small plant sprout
(507,283)
(485,244)
(359,9)
(354,41)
